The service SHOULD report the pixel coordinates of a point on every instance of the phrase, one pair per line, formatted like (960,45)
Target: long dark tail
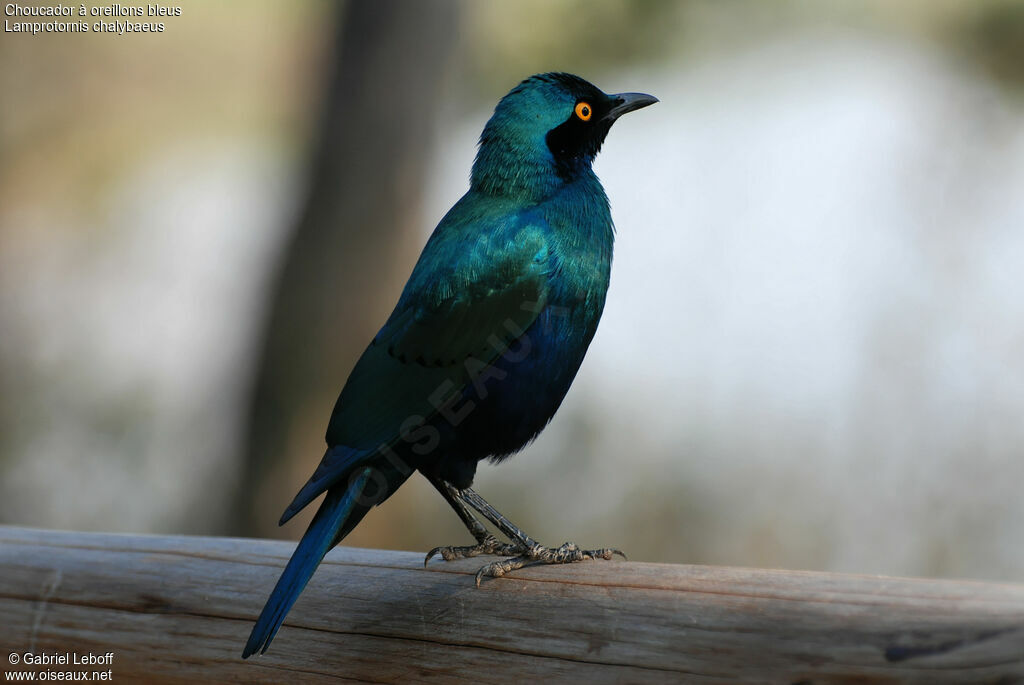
(339,514)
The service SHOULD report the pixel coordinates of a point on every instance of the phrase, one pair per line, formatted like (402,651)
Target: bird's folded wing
(470,296)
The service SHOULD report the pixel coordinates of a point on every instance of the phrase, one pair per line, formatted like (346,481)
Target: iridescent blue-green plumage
(490,329)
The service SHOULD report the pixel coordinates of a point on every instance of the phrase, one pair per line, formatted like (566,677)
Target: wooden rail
(178,609)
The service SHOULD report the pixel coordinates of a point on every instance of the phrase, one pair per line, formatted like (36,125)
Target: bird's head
(546,131)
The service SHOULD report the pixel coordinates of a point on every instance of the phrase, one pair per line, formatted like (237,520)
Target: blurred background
(813,350)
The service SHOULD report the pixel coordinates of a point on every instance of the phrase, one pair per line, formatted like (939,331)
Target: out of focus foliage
(809,336)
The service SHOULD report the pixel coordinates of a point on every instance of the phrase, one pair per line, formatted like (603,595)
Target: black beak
(628,102)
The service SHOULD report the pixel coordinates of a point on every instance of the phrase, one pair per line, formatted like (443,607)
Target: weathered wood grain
(178,609)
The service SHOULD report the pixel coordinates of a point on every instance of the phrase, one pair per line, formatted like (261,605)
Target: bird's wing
(472,293)
(493,291)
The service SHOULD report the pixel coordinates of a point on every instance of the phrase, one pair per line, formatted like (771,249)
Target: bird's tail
(341,510)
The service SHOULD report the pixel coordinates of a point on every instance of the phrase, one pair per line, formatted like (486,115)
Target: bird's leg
(507,528)
(485,542)
(531,551)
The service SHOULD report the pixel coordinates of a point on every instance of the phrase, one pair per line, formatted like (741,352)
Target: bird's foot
(489,545)
(566,554)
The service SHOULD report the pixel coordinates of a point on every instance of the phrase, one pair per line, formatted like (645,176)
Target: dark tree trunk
(354,243)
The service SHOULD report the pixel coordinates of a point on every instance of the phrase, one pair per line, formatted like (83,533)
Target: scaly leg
(526,549)
(485,542)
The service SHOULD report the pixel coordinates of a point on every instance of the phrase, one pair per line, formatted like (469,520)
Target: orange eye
(584,111)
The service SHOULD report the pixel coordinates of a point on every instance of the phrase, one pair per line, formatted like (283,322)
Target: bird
(484,342)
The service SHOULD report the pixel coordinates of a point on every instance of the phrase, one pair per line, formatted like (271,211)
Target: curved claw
(568,553)
(605,553)
(499,568)
(489,545)
(431,554)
